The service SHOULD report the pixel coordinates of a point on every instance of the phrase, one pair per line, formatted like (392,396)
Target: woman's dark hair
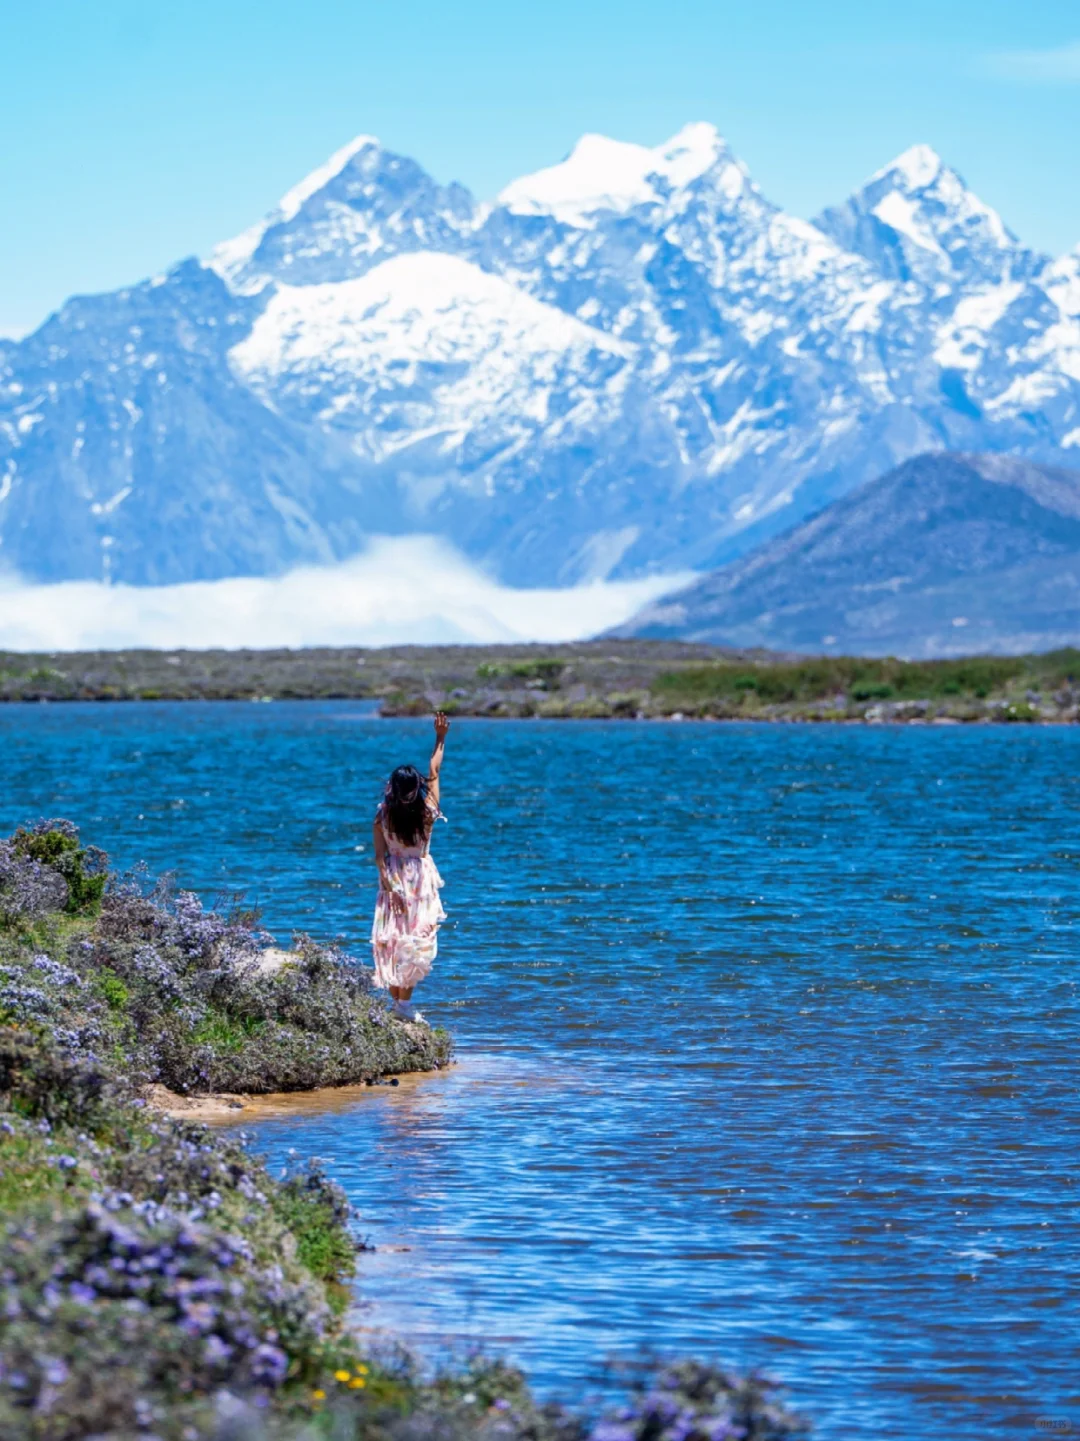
(405,805)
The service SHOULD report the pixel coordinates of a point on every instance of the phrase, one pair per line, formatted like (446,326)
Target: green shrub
(627,702)
(1057,668)
(1018,711)
(225,1033)
(546,670)
(55,844)
(112,990)
(819,677)
(41,1081)
(146,1263)
(317,1214)
(119,1314)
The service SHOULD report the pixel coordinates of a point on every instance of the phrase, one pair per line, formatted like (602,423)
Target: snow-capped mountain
(917,220)
(363,206)
(629,362)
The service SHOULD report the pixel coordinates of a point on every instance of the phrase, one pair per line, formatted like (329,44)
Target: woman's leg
(395,992)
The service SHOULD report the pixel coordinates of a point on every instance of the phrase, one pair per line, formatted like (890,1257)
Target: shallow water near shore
(768,1035)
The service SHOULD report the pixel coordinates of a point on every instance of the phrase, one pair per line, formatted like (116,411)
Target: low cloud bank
(411,590)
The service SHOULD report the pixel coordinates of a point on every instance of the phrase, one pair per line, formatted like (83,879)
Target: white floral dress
(405,940)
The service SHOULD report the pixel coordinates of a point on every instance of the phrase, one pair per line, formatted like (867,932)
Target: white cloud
(412,590)
(1059,64)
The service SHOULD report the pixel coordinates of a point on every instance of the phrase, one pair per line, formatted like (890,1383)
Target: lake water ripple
(768,1036)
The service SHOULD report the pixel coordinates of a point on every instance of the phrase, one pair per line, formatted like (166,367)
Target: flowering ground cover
(155,1279)
(134,972)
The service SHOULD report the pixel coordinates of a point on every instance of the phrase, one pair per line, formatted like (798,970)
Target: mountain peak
(918,220)
(601,174)
(288,207)
(677,378)
(917,167)
(691,151)
(231,257)
(359,208)
(944,197)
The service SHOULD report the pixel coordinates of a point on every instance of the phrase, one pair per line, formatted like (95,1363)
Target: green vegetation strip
(585,681)
(854,681)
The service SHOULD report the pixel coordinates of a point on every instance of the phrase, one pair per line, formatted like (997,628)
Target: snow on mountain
(232,257)
(129,450)
(484,404)
(995,318)
(423,346)
(1059,345)
(364,205)
(589,235)
(1033,370)
(916,219)
(611,175)
(629,363)
(683,255)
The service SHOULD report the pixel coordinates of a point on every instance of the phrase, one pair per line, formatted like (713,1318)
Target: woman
(408,910)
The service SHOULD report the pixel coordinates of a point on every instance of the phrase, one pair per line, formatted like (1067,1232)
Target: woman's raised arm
(442,725)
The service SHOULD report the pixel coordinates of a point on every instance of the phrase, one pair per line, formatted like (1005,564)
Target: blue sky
(139,131)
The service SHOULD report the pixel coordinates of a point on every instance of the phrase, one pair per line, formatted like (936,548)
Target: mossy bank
(155,1280)
(139,974)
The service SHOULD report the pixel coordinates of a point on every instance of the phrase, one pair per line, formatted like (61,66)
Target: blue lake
(768,1036)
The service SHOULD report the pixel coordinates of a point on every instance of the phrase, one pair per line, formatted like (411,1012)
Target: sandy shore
(227,1108)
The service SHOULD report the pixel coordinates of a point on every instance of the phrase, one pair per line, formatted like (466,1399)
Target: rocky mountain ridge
(630,362)
(947,555)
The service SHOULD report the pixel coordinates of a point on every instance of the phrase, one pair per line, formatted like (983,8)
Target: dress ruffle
(405,940)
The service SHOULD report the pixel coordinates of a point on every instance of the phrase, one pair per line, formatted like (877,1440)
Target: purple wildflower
(55,1371)
(269,1364)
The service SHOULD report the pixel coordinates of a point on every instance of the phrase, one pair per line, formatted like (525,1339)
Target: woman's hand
(442,725)
(394,894)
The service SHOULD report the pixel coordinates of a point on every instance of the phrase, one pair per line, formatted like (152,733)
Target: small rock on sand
(217,1107)
(273,958)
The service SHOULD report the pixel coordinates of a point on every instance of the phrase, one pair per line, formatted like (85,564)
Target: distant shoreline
(809,720)
(603,679)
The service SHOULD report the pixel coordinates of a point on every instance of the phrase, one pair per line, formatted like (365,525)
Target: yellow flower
(361,1370)
(356,1383)
(318,1395)
(341,1375)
